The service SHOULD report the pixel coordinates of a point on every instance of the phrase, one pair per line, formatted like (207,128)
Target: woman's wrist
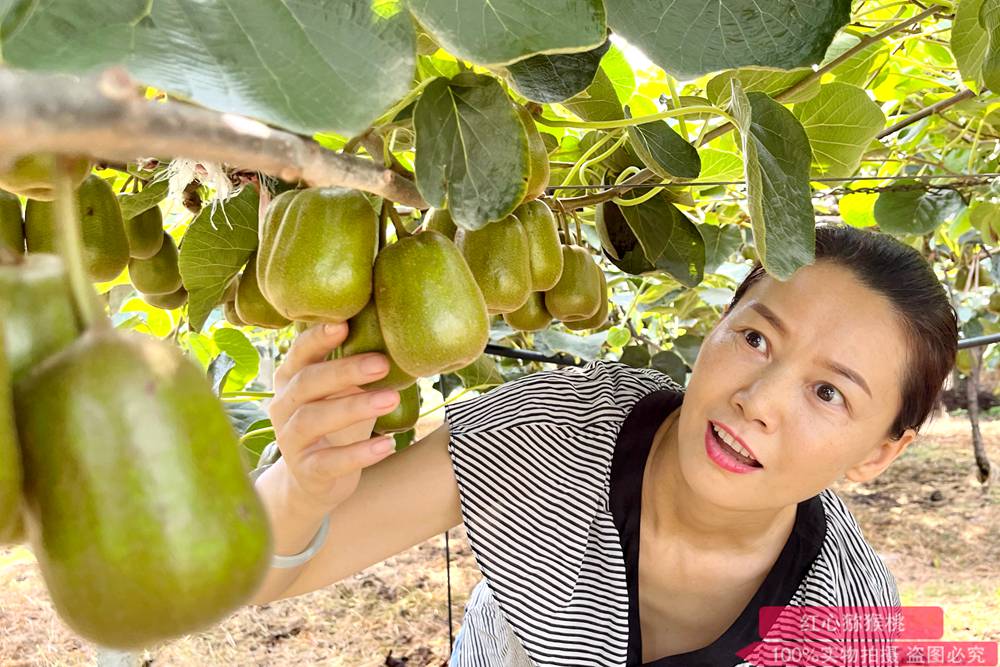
(297,525)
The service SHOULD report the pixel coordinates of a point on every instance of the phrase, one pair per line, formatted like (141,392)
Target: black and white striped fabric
(532,459)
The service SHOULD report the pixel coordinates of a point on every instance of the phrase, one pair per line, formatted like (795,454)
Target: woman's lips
(721,456)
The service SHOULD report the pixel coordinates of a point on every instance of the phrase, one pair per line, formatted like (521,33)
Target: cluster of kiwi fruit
(112,442)
(110,243)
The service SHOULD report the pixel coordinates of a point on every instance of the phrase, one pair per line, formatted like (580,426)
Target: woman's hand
(323,419)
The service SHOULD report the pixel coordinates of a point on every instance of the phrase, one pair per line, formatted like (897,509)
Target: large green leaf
(989,19)
(856,68)
(554,78)
(764,80)
(599,102)
(720,165)
(500,32)
(217,244)
(234,343)
(969,41)
(916,211)
(70,35)
(689,38)
(472,153)
(664,151)
(618,241)
(721,241)
(328,65)
(134,203)
(669,239)
(776,166)
(840,122)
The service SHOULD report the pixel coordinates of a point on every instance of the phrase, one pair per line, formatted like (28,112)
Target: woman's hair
(898,272)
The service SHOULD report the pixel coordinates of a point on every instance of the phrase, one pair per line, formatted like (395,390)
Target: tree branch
(925,112)
(107,119)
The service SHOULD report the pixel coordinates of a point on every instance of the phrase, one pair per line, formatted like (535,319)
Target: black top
(634,442)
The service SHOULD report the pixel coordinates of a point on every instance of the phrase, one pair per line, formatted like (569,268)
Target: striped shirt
(549,475)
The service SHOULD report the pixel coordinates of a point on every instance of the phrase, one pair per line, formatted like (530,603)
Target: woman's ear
(880,458)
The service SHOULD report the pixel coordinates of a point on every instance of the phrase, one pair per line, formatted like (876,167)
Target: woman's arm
(400,501)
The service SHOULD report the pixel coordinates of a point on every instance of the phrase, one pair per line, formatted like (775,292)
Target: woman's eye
(750,336)
(825,390)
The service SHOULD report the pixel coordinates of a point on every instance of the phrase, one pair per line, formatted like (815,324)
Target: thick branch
(106,119)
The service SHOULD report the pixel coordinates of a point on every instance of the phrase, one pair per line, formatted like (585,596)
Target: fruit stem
(382,216)
(69,245)
(579,231)
(401,232)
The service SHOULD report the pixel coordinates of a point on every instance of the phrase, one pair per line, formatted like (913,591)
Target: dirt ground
(927,516)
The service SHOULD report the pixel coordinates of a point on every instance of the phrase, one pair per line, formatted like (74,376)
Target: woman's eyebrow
(839,369)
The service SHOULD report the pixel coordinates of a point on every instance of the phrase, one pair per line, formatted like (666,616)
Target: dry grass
(943,552)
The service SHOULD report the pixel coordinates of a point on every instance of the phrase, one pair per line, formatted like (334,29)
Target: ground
(927,516)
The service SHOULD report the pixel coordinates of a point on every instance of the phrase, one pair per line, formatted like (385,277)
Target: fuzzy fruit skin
(32,176)
(229,311)
(11,527)
(538,156)
(544,248)
(577,294)
(365,335)
(532,316)
(318,264)
(36,311)
(251,306)
(439,220)
(269,225)
(432,314)
(160,274)
(404,416)
(145,233)
(171,301)
(498,256)
(139,509)
(598,319)
(105,245)
(11,222)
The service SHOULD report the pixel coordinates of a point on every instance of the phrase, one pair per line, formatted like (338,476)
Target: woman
(608,510)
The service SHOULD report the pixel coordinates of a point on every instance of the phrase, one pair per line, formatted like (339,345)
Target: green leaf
(214,249)
(599,102)
(134,203)
(253,446)
(776,166)
(916,211)
(472,153)
(969,41)
(483,372)
(636,356)
(554,78)
(688,38)
(989,18)
(669,239)
(858,209)
(720,165)
(619,336)
(618,241)
(761,79)
(587,348)
(688,346)
(71,35)
(840,122)
(234,343)
(985,217)
(324,66)
(856,68)
(664,151)
(500,32)
(670,363)
(721,241)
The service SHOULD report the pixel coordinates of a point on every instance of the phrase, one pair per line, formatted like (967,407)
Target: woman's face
(771,385)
